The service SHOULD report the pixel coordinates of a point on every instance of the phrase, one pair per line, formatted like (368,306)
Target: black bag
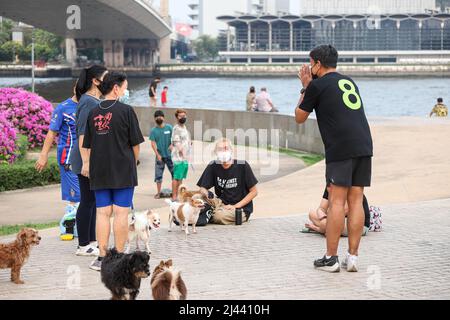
(204,217)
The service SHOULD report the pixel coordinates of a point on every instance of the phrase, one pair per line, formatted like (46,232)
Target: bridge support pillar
(71,51)
(164,50)
(113,53)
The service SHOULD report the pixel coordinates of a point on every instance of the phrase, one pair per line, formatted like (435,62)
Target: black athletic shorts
(355,172)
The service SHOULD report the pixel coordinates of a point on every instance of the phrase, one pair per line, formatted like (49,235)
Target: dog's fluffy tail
(169,285)
(182,189)
(169,202)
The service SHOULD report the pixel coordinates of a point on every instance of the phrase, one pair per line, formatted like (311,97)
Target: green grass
(13,229)
(308,158)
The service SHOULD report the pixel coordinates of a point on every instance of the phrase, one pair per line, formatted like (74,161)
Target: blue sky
(179,9)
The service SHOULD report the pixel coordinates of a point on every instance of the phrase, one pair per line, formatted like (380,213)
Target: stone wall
(249,128)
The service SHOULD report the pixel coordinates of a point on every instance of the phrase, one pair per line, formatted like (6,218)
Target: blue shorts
(119,197)
(70,189)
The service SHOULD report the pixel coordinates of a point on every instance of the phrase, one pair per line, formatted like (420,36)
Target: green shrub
(22,147)
(22,175)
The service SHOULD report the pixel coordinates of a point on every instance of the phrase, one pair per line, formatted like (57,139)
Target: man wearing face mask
(348,149)
(161,136)
(233,181)
(181,149)
(112,142)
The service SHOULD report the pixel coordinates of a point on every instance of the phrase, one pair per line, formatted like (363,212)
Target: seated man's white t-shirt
(263,102)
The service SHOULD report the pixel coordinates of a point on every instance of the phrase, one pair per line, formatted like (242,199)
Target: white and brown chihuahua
(186,213)
(140,225)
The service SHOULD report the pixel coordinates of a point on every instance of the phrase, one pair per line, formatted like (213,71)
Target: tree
(206,47)
(5,30)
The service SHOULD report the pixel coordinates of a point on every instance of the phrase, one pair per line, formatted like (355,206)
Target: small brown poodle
(15,254)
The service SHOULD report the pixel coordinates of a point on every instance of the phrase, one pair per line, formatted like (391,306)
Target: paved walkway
(267,259)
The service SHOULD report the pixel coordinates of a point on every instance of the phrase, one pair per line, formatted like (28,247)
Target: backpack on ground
(68,223)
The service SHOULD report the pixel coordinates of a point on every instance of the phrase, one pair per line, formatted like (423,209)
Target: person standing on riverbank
(88,92)
(440,109)
(112,142)
(153,92)
(348,147)
(161,137)
(164,96)
(181,148)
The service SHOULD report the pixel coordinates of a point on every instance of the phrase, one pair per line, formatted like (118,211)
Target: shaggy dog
(122,273)
(167,283)
(15,254)
(140,225)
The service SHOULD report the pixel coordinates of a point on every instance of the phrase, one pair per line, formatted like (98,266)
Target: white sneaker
(87,251)
(96,265)
(350,263)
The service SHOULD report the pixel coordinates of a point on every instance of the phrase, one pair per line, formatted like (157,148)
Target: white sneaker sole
(83,254)
(95,268)
(333,269)
(352,268)
(86,254)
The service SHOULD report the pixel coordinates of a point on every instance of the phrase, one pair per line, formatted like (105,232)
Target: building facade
(203,13)
(330,7)
(264,38)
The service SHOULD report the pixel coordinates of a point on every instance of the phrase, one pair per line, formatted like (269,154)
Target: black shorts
(355,172)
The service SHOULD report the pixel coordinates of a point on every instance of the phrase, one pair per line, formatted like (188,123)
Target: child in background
(164,96)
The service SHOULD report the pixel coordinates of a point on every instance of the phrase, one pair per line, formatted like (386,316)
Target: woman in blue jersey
(63,124)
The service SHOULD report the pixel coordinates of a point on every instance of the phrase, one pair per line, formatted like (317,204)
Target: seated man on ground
(440,109)
(233,181)
(319,217)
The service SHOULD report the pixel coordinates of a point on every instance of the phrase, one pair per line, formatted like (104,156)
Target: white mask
(224,156)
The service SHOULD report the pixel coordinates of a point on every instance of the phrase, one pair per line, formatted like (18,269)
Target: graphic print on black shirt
(101,123)
(340,114)
(230,185)
(111,133)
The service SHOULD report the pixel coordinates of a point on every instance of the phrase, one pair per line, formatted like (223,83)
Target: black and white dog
(122,273)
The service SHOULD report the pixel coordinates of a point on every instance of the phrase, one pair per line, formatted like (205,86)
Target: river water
(383,97)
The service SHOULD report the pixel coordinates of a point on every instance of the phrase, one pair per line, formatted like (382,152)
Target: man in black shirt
(152,92)
(348,146)
(233,181)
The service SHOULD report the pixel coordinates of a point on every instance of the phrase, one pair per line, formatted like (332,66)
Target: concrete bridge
(131,32)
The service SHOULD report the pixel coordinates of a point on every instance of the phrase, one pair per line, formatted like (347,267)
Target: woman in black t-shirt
(113,138)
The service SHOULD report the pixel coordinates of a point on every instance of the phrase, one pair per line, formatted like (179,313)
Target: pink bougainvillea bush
(8,137)
(29,113)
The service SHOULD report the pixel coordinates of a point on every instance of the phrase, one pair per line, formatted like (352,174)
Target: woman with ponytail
(88,94)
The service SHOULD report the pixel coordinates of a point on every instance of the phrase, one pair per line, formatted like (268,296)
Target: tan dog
(186,213)
(15,254)
(184,194)
(167,283)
